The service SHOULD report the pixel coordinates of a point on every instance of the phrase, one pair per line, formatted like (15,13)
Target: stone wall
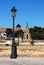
(23,51)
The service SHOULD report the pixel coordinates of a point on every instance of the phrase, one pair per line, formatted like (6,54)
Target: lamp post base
(13,52)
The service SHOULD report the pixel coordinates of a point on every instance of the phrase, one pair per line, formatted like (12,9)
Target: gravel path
(22,61)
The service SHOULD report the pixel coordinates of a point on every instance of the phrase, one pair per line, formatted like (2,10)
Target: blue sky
(31,11)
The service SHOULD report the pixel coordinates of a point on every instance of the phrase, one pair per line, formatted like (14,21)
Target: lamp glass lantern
(13,11)
(18,27)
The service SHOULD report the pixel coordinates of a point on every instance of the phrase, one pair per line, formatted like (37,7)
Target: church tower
(27,37)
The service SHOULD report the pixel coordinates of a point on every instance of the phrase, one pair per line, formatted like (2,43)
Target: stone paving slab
(22,61)
(9,63)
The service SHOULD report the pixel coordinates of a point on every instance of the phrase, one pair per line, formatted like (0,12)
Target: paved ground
(22,61)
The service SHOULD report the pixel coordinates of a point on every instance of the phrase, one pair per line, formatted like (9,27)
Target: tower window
(27,36)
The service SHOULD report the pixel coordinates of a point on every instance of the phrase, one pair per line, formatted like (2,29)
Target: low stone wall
(31,51)
(5,51)
(23,51)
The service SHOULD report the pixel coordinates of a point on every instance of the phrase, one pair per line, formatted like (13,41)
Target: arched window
(27,36)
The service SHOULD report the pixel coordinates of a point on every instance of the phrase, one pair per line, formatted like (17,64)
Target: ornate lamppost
(18,30)
(14,47)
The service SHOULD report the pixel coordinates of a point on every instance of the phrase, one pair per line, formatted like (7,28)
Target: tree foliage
(9,32)
(32,42)
(37,33)
(20,33)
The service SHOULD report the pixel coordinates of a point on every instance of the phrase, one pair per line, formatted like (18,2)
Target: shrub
(32,42)
(6,44)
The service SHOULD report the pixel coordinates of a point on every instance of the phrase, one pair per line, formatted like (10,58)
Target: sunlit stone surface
(22,61)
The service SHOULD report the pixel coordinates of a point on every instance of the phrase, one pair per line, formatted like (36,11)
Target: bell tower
(27,37)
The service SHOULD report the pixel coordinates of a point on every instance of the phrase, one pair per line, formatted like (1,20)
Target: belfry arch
(27,36)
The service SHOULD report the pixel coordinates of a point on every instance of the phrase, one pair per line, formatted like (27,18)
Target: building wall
(3,35)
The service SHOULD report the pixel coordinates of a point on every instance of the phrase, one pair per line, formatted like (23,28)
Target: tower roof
(26,24)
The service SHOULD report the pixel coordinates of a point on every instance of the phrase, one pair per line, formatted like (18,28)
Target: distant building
(26,38)
(2,33)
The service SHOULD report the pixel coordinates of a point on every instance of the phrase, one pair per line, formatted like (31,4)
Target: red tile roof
(4,29)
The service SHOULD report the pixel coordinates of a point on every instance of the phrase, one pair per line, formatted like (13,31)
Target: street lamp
(14,48)
(18,30)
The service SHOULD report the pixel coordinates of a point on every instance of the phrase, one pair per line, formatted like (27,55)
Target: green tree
(37,33)
(32,42)
(19,33)
(9,32)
